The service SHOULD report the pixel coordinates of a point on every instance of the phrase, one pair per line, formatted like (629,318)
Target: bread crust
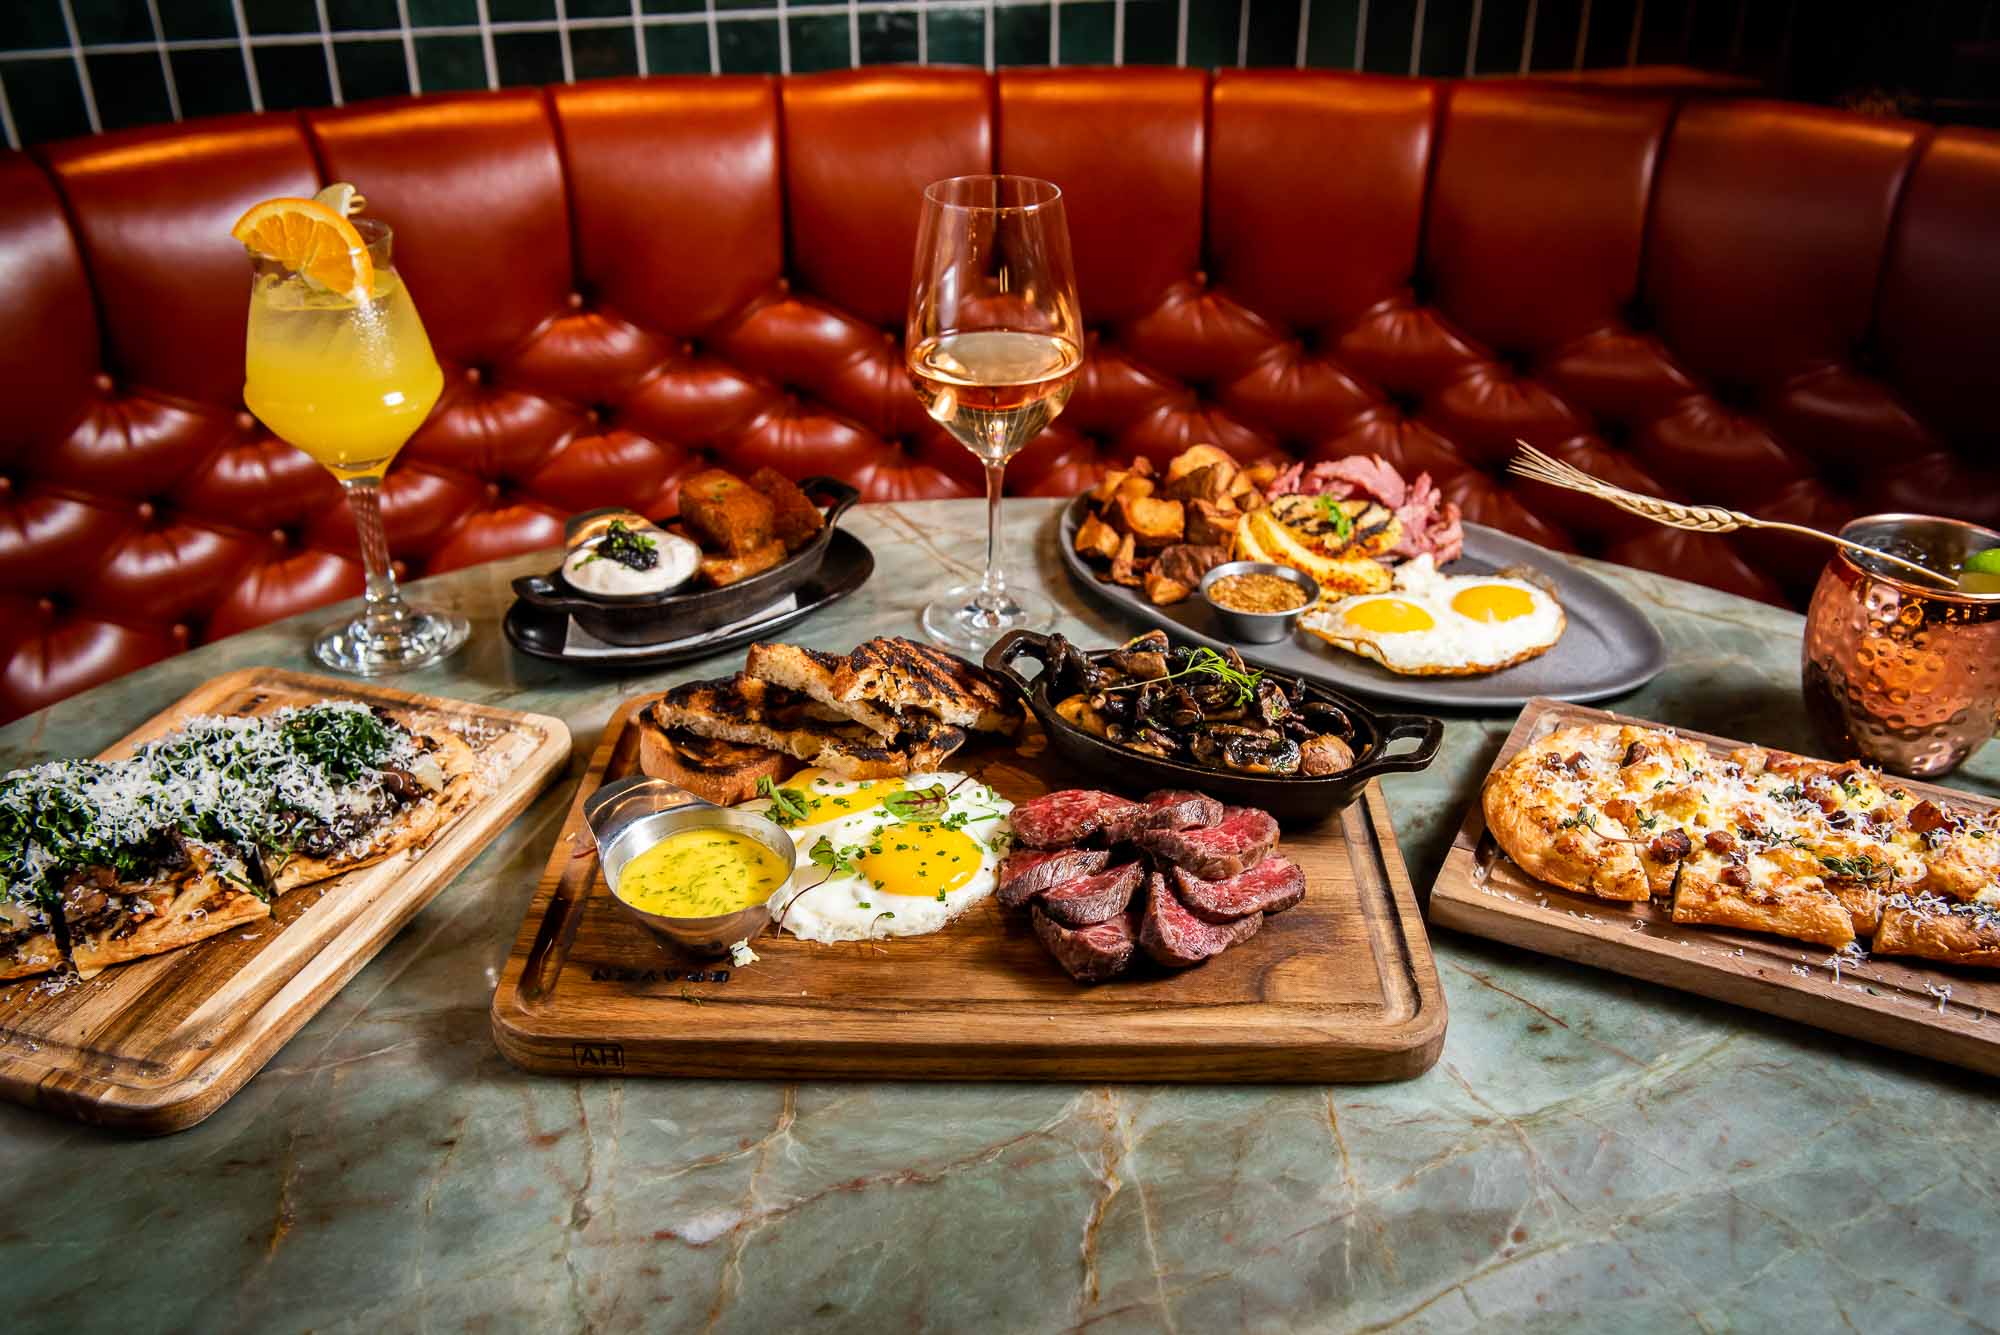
(724,773)
(1930,928)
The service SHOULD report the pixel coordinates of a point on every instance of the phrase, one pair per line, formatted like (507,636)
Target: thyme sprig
(1207,662)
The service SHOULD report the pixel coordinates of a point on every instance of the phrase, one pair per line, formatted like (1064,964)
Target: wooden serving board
(1340,987)
(1934,1010)
(158,1044)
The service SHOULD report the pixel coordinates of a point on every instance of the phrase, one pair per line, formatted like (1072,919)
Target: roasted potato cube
(1153,522)
(1210,482)
(1107,486)
(1125,567)
(1162,590)
(1096,538)
(1134,487)
(1212,524)
(1201,456)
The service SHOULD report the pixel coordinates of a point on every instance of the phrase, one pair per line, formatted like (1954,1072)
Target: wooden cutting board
(158,1044)
(1341,987)
(1935,1010)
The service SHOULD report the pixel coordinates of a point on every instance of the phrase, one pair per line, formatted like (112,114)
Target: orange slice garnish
(309,238)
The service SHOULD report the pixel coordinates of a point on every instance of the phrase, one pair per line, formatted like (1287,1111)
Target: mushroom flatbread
(202,829)
(1760,840)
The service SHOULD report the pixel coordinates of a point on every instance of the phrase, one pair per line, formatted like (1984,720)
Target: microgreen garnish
(789,806)
(1207,662)
(836,860)
(1331,511)
(917,804)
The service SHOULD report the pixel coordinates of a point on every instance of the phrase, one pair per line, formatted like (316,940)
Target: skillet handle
(1000,658)
(541,591)
(1395,727)
(839,495)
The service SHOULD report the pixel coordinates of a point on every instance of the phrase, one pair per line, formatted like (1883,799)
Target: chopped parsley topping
(1331,511)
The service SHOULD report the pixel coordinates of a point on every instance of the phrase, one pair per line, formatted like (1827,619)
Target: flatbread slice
(1778,897)
(29,956)
(1933,928)
(204,906)
(407,829)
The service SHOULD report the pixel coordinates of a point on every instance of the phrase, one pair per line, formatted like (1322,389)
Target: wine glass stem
(385,611)
(993,588)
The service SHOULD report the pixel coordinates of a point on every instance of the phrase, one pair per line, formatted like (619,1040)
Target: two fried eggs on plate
(899,857)
(1430,623)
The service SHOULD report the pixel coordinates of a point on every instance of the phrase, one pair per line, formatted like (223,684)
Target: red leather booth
(1790,311)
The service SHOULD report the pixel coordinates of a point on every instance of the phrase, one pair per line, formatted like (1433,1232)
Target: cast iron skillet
(1298,799)
(648,618)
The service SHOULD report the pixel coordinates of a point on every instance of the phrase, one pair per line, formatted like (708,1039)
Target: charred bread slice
(721,772)
(902,674)
(816,674)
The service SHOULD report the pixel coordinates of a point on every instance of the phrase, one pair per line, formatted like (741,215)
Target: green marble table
(1590,1152)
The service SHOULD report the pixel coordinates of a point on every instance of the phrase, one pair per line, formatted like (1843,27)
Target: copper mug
(1897,674)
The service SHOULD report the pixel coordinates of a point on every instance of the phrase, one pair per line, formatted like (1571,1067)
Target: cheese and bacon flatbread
(1760,840)
(201,830)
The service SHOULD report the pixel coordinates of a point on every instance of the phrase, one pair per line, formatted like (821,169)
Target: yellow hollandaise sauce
(701,873)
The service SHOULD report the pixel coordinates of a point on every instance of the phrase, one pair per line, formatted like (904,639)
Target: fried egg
(885,857)
(1429,623)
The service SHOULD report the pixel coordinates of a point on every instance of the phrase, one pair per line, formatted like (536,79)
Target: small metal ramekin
(1258,627)
(628,817)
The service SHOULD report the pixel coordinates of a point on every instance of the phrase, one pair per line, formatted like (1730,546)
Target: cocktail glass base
(962,620)
(374,647)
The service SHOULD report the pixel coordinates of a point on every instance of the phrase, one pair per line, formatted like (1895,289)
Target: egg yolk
(920,860)
(829,798)
(1389,616)
(1493,602)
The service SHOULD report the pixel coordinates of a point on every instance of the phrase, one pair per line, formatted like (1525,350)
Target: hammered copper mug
(1896,674)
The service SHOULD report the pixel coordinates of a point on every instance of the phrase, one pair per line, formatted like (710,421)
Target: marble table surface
(1589,1153)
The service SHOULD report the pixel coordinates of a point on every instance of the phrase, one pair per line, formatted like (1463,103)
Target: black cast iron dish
(648,618)
(1298,799)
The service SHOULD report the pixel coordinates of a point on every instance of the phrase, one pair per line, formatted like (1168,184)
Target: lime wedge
(1983,563)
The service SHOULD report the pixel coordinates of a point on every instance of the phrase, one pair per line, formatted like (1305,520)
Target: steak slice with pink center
(1057,820)
(1089,954)
(1167,809)
(1272,886)
(1027,873)
(1176,938)
(1092,899)
(1218,852)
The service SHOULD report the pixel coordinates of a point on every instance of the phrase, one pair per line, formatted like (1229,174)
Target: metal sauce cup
(1258,627)
(1896,673)
(630,816)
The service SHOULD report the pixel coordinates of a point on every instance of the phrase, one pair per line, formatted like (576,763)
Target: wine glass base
(420,639)
(957,621)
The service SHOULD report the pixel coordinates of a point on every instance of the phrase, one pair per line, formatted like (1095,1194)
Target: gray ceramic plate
(1609,647)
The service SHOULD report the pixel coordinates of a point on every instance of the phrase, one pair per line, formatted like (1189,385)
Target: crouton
(725,514)
(795,520)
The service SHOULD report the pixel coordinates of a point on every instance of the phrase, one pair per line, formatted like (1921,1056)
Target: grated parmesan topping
(230,787)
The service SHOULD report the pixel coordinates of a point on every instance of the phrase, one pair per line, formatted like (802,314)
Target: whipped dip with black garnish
(626,560)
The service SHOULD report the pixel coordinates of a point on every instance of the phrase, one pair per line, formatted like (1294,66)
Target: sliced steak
(1220,851)
(1092,899)
(1028,872)
(1168,809)
(1177,939)
(1057,820)
(1089,954)
(1272,886)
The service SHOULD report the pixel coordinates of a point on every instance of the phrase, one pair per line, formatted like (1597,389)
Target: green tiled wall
(69,67)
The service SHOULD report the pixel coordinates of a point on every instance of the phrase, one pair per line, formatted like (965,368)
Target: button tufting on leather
(1495,276)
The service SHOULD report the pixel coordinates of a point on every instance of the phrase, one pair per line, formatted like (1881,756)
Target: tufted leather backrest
(1790,311)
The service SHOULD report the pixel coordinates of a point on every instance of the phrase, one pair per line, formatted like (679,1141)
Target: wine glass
(994,344)
(348,380)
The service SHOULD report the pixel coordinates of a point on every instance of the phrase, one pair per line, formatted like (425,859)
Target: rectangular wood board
(158,1044)
(1339,988)
(1934,1010)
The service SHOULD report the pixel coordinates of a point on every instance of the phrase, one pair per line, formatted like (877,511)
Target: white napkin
(580,643)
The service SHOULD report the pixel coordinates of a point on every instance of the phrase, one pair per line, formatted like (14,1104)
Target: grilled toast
(724,773)
(746,710)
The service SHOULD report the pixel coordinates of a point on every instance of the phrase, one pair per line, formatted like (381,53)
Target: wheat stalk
(1533,464)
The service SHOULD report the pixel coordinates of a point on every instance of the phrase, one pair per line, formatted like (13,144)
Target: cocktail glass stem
(386,612)
(993,586)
